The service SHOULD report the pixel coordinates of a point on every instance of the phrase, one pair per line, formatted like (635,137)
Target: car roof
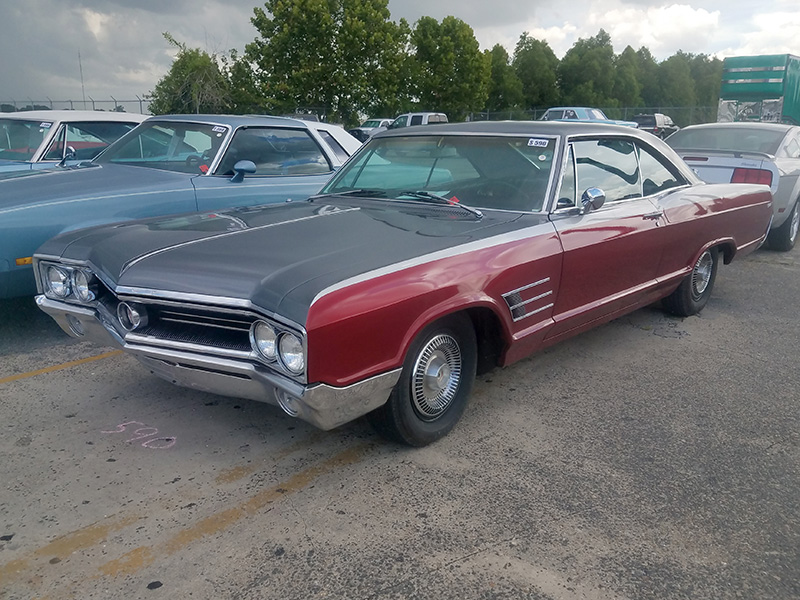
(73,115)
(237,120)
(743,125)
(562,128)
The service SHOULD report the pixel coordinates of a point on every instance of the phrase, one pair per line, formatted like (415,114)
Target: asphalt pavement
(653,457)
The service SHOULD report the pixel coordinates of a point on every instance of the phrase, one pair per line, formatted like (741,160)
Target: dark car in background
(658,124)
(369,127)
(433,253)
(167,165)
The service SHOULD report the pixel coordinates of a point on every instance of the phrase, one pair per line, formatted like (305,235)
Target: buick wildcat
(166,165)
(433,254)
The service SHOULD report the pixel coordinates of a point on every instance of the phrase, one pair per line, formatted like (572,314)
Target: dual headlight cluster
(277,345)
(65,282)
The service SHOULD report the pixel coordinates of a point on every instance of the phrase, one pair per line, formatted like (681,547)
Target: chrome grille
(201,327)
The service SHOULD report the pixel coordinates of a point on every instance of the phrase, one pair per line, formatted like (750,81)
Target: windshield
(20,139)
(748,139)
(506,173)
(170,146)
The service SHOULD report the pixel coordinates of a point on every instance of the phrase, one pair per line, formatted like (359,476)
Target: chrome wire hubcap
(436,376)
(701,274)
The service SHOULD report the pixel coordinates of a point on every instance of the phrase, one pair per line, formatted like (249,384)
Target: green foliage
(536,66)
(450,72)
(194,84)
(337,57)
(505,88)
(586,73)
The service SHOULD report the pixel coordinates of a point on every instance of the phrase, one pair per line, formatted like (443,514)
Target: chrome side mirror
(68,155)
(592,199)
(242,167)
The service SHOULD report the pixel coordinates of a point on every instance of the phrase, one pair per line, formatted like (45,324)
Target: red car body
(390,298)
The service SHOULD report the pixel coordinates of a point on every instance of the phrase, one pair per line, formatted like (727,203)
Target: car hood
(279,257)
(63,184)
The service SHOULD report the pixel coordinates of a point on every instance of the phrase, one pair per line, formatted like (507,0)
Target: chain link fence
(139,105)
(682,115)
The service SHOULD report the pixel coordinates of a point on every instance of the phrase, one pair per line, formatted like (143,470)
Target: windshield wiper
(356,192)
(424,195)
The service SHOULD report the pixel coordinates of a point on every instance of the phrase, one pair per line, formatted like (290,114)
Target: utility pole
(80,67)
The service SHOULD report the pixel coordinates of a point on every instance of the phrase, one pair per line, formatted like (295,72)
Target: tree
(586,73)
(677,85)
(194,84)
(334,56)
(626,82)
(450,71)
(536,66)
(505,88)
(647,75)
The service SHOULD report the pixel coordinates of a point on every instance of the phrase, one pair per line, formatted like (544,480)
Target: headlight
(131,316)
(264,340)
(83,285)
(291,350)
(58,281)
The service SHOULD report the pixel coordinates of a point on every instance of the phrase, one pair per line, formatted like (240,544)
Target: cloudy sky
(103,49)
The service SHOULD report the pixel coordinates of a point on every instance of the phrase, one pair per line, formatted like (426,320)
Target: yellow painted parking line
(143,556)
(139,558)
(61,367)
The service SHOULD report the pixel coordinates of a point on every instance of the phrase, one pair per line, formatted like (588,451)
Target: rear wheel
(784,237)
(694,291)
(434,386)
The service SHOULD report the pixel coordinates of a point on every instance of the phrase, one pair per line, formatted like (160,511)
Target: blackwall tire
(434,386)
(784,237)
(693,292)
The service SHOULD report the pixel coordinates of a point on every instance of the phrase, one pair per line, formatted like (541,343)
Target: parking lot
(653,457)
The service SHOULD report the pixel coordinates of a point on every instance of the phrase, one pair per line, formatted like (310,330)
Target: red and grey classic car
(432,254)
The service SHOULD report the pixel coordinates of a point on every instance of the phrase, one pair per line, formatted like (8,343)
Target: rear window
(645,120)
(749,139)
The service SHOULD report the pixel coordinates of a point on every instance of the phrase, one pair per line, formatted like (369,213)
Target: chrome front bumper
(321,405)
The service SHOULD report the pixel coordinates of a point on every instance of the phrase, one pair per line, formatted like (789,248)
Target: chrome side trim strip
(534,299)
(503,238)
(533,312)
(527,287)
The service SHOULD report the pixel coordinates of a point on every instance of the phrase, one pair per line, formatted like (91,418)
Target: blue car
(41,139)
(582,113)
(166,165)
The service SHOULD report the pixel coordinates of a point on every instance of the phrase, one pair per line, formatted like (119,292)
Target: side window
(655,176)
(275,152)
(335,146)
(793,148)
(570,114)
(610,165)
(566,195)
(56,149)
(416,120)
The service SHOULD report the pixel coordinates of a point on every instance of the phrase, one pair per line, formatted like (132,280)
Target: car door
(290,165)
(611,254)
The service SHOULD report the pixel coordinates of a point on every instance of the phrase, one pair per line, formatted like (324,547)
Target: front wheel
(694,291)
(784,237)
(434,386)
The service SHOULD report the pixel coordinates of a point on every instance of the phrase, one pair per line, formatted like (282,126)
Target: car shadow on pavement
(24,328)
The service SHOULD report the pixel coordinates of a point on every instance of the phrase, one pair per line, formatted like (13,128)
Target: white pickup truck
(767,153)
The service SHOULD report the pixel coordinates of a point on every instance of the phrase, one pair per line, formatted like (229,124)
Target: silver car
(767,153)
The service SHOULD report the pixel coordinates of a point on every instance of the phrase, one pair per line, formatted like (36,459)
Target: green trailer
(760,88)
